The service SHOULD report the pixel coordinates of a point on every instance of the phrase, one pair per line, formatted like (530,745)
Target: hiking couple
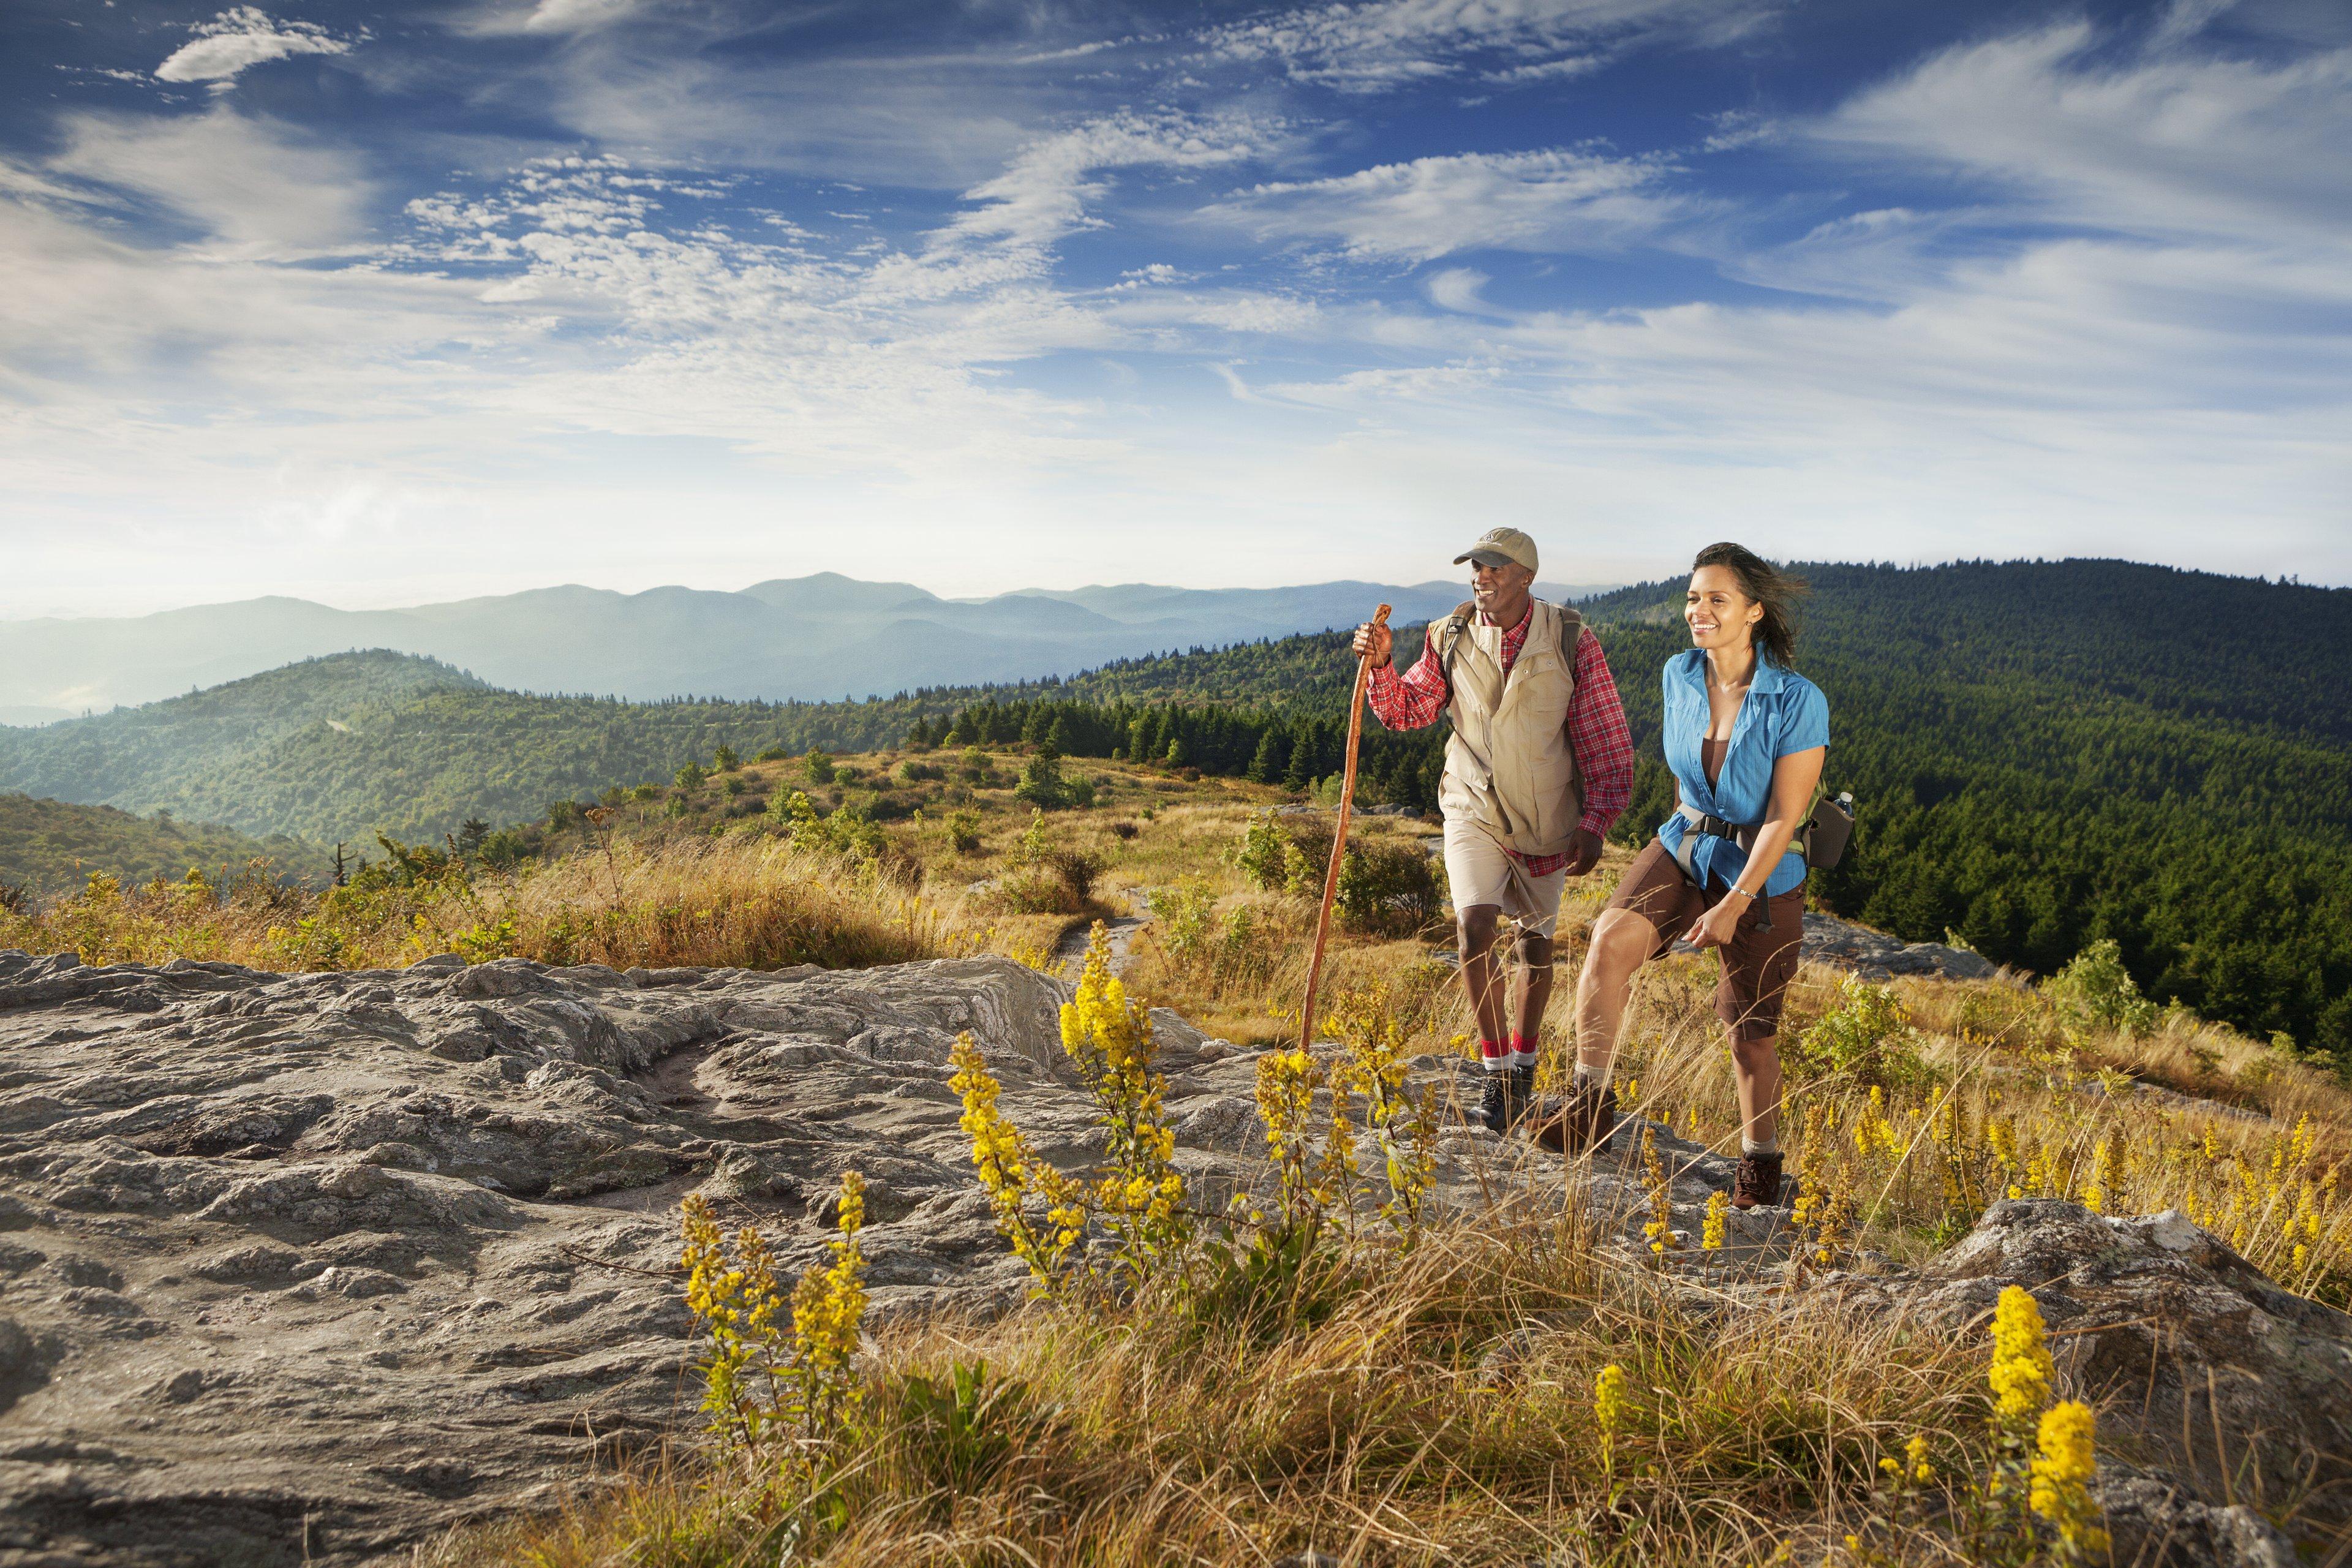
(1540,763)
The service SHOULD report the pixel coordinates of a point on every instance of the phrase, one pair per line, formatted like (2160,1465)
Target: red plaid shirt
(1596,725)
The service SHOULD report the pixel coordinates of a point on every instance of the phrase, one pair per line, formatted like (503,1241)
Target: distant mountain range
(825,636)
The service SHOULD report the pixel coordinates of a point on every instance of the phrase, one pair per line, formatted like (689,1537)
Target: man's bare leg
(1480,980)
(1534,987)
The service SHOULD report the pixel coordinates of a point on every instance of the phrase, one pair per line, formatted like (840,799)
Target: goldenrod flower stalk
(1718,1212)
(2020,1370)
(1140,1198)
(1403,1121)
(1609,1412)
(1661,1226)
(2060,1484)
(1012,1175)
(828,1311)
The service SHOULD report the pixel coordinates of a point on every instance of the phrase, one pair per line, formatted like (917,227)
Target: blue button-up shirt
(1783,712)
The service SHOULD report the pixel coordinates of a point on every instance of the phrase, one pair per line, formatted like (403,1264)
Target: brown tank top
(1710,755)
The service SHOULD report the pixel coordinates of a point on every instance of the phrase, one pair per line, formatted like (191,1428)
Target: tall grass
(740,901)
(1389,1428)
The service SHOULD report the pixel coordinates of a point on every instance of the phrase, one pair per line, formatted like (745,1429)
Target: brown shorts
(1757,964)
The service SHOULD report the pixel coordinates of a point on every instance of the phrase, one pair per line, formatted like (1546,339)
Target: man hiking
(1538,765)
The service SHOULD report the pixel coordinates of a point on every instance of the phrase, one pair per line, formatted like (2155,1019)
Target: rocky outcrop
(2238,1393)
(1874,955)
(302,1268)
(307,1267)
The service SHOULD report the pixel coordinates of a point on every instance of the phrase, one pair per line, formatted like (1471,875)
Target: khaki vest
(1508,765)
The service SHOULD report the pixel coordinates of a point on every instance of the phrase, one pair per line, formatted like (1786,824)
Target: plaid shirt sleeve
(1416,698)
(1598,734)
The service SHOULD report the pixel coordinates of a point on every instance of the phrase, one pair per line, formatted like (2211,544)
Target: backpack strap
(1451,630)
(1571,632)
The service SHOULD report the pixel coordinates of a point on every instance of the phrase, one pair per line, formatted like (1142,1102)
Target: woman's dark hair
(1776,590)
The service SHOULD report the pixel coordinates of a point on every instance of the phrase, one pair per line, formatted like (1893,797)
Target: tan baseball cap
(1497,546)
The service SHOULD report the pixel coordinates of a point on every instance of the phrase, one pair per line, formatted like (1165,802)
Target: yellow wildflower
(2021,1360)
(2059,1488)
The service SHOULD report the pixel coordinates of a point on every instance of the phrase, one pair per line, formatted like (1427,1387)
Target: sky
(380,304)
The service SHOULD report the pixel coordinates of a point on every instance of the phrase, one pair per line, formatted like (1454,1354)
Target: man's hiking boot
(1495,1102)
(1523,1091)
(1582,1119)
(1756,1181)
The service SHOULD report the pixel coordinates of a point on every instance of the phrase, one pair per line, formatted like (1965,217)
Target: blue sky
(378,304)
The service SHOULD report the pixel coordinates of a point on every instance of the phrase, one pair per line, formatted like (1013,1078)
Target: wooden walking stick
(1338,838)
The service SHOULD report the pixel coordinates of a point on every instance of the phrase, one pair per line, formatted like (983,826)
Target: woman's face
(1719,615)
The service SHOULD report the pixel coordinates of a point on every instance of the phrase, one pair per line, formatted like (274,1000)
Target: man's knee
(1475,928)
(1535,952)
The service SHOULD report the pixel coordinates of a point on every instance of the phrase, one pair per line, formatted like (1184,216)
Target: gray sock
(1589,1080)
(1750,1146)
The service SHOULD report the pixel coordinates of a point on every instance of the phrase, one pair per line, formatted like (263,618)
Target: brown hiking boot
(1581,1119)
(1756,1180)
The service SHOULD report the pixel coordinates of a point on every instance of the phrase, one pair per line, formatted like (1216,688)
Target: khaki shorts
(1479,871)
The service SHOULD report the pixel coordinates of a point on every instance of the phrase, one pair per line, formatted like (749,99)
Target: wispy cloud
(243,36)
(1374,46)
(1555,200)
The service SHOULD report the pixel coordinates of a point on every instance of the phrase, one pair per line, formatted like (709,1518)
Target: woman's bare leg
(1622,943)
(1756,1064)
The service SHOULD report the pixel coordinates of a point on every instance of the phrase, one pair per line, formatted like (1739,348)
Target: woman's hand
(1717,926)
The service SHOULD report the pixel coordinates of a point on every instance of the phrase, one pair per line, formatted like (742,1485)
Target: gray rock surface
(2240,1390)
(304,1268)
(308,1267)
(1874,955)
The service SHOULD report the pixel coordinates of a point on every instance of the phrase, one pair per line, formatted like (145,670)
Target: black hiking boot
(1495,1097)
(1581,1119)
(1756,1181)
(1523,1091)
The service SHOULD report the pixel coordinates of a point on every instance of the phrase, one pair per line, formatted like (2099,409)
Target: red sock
(1492,1054)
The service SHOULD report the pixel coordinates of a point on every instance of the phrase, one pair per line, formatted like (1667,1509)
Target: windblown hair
(1777,591)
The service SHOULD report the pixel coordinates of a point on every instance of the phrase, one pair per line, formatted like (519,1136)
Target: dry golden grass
(735,901)
(1371,1433)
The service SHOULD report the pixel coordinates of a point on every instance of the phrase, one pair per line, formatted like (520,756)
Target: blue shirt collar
(1767,680)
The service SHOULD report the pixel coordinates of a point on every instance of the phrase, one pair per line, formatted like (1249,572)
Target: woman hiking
(1745,736)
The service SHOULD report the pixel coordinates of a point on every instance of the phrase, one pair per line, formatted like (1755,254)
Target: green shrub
(818,765)
(725,760)
(1260,852)
(2096,991)
(1866,1036)
(1387,889)
(691,777)
(1042,784)
(963,830)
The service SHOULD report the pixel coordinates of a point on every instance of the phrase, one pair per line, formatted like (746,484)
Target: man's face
(1493,585)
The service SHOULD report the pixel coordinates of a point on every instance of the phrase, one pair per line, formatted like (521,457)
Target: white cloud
(2162,141)
(578,16)
(1374,46)
(1010,224)
(251,186)
(1555,200)
(242,37)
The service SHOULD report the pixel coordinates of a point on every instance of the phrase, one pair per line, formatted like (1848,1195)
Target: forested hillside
(52,845)
(2044,752)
